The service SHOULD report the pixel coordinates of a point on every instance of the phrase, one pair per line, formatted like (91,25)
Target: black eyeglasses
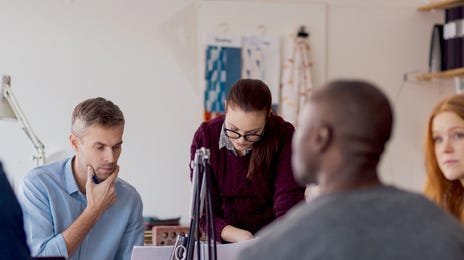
(248,137)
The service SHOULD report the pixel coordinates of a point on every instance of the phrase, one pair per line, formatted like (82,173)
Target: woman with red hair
(444,155)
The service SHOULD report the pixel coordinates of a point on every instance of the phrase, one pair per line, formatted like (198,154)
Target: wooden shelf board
(440,5)
(443,75)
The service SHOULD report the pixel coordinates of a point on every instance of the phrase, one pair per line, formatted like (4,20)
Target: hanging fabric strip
(252,58)
(261,60)
(296,79)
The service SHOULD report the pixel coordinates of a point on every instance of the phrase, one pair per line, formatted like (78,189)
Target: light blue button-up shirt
(51,201)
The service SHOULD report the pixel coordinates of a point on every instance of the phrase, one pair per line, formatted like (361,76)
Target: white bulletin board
(270,19)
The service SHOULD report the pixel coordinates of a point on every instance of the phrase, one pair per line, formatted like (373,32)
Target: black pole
(198,213)
(201,206)
(212,252)
(194,223)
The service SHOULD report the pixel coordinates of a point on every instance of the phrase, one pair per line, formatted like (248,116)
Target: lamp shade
(5,109)
(9,108)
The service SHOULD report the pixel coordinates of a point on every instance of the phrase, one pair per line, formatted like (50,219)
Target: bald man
(343,131)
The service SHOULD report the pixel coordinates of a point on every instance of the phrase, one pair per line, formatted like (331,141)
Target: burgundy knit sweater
(241,202)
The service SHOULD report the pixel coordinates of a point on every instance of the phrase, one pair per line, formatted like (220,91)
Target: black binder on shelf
(437,55)
(453,38)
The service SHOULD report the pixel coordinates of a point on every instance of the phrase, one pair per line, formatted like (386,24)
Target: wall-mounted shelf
(456,74)
(447,74)
(440,5)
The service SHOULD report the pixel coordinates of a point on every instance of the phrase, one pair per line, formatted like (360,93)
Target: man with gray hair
(78,208)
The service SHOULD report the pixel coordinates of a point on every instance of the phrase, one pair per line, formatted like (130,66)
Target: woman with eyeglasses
(444,155)
(250,156)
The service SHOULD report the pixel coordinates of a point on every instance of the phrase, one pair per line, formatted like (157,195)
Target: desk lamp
(9,108)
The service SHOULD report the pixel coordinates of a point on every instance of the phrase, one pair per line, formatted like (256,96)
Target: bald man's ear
(323,138)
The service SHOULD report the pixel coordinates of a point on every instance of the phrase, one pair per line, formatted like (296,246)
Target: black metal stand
(201,196)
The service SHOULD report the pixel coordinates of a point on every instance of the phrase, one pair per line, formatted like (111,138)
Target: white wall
(142,54)
(61,52)
(382,42)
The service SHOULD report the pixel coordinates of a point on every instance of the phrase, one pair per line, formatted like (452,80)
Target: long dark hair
(252,95)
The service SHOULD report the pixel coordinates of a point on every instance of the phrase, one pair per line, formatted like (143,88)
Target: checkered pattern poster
(222,70)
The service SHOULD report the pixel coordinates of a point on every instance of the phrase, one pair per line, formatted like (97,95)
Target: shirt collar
(224,141)
(71,185)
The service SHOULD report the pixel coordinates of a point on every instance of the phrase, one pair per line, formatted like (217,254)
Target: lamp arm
(38,145)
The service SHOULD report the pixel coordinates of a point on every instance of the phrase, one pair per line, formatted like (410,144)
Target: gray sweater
(374,223)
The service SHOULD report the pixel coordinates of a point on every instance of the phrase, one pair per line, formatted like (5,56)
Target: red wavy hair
(447,194)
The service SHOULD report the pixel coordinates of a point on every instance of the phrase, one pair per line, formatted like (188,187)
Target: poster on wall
(222,70)
(261,60)
(221,17)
